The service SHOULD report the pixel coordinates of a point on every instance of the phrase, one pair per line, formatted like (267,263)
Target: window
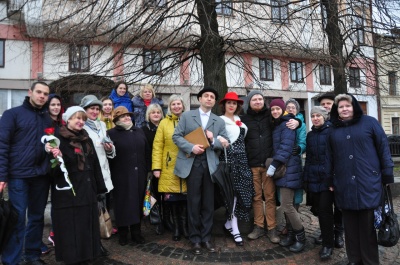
(354,77)
(392,83)
(279,11)
(151,62)
(324,16)
(296,72)
(79,58)
(2,52)
(224,8)
(359,24)
(157,3)
(266,70)
(395,125)
(10,98)
(325,75)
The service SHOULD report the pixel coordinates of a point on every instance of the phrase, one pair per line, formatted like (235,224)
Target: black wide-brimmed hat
(208,89)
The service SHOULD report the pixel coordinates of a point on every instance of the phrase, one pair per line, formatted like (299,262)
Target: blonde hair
(147,87)
(79,114)
(111,118)
(341,97)
(173,98)
(151,108)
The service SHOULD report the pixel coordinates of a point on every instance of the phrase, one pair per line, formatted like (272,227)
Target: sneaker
(257,232)
(273,236)
(44,249)
(51,238)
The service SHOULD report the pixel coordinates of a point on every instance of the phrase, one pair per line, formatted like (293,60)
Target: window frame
(3,52)
(395,125)
(323,72)
(79,69)
(392,82)
(297,80)
(279,7)
(359,24)
(267,63)
(354,77)
(156,68)
(225,8)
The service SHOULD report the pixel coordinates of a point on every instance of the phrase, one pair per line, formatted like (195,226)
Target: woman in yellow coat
(164,157)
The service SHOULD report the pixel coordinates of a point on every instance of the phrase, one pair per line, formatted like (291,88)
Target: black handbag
(8,220)
(155,214)
(388,233)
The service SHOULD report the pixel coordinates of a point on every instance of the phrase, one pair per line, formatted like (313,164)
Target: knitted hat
(278,102)
(71,111)
(296,104)
(246,104)
(320,110)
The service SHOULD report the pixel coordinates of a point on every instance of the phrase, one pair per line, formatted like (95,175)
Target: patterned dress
(242,177)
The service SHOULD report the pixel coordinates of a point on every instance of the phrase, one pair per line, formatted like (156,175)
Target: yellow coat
(164,157)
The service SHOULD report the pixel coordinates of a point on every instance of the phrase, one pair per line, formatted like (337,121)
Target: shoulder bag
(388,232)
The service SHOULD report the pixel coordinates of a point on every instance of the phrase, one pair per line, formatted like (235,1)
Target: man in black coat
(258,142)
(23,167)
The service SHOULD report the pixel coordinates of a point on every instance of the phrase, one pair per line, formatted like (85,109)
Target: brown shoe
(273,236)
(256,233)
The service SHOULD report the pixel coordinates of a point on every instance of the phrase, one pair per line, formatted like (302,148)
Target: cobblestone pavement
(162,250)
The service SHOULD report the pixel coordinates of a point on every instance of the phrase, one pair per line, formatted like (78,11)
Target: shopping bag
(149,199)
(105,222)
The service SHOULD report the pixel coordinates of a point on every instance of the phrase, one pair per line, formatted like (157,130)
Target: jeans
(29,197)
(264,185)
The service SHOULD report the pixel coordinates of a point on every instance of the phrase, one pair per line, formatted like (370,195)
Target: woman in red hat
(243,187)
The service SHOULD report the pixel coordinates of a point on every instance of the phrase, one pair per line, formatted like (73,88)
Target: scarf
(78,140)
(147,102)
(126,126)
(92,124)
(120,100)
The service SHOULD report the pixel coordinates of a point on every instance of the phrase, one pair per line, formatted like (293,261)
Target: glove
(296,150)
(271,170)
(101,197)
(387,179)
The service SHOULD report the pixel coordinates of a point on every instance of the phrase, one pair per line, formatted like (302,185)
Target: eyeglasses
(289,107)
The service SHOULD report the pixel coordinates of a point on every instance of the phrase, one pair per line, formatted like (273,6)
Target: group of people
(114,145)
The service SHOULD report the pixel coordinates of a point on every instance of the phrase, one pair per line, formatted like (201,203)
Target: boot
(289,239)
(103,251)
(184,223)
(300,241)
(176,235)
(136,234)
(339,242)
(160,229)
(167,217)
(123,235)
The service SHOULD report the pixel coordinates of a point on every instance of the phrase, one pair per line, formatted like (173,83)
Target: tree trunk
(211,46)
(336,42)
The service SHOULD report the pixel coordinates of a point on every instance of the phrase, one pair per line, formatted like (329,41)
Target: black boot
(289,239)
(160,229)
(123,235)
(339,242)
(136,234)
(167,217)
(300,241)
(176,236)
(325,253)
(183,217)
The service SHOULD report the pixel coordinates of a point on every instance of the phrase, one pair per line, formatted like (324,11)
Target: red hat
(278,102)
(231,96)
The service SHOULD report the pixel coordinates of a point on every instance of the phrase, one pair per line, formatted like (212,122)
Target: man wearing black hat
(196,164)
(326,100)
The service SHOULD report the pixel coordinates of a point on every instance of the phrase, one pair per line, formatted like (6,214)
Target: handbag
(8,220)
(155,214)
(388,232)
(105,221)
(279,172)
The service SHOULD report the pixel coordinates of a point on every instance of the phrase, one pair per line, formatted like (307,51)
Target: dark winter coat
(75,218)
(129,170)
(139,109)
(358,159)
(258,140)
(150,130)
(284,140)
(22,154)
(315,175)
